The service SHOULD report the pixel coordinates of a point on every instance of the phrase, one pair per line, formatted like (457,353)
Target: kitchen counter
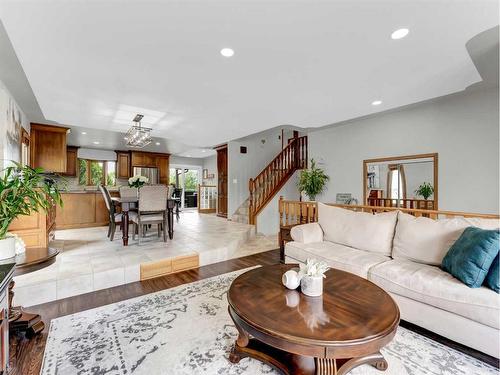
(82,209)
(116,190)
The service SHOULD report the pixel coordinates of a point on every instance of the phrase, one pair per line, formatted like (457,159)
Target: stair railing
(272,178)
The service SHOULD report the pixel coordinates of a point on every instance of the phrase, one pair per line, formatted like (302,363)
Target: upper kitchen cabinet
(48,147)
(123,166)
(162,162)
(71,161)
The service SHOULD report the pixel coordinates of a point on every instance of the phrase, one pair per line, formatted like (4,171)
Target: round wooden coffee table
(296,334)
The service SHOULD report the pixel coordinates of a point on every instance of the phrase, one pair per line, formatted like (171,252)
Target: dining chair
(152,209)
(114,218)
(129,192)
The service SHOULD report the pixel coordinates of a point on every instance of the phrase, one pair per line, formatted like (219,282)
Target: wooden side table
(284,237)
(32,260)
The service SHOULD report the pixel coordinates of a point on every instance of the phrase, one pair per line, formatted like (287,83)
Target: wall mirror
(409,181)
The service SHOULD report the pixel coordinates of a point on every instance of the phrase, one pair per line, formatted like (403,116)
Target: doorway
(186,181)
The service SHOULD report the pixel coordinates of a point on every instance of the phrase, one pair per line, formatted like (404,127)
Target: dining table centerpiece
(23,190)
(137,181)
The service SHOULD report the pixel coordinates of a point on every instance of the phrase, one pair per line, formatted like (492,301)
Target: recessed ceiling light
(84,133)
(188,156)
(203,150)
(157,143)
(377,102)
(227,52)
(400,33)
(96,142)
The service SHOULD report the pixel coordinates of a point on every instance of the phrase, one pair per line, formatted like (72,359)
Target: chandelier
(138,136)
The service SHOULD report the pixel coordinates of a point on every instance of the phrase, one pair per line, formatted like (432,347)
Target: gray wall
(210,163)
(242,167)
(463,128)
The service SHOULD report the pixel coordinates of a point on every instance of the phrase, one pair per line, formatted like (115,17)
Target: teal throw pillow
(470,257)
(493,277)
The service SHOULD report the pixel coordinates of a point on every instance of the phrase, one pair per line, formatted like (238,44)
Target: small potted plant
(312,181)
(23,190)
(137,181)
(425,190)
(311,277)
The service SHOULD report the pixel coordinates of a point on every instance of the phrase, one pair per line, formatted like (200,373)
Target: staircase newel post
(250,202)
(296,156)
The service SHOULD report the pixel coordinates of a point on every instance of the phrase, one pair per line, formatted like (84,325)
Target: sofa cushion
(427,241)
(307,233)
(337,256)
(360,230)
(435,287)
(471,256)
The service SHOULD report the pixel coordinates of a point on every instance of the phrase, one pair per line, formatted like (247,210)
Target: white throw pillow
(307,233)
(360,230)
(427,241)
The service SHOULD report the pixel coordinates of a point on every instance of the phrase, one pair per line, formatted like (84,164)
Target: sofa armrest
(307,233)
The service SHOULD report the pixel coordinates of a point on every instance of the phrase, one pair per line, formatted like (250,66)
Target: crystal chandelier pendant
(138,136)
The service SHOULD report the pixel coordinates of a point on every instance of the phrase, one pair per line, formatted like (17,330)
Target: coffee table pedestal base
(294,364)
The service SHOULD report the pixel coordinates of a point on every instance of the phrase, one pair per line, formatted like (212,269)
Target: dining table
(128,203)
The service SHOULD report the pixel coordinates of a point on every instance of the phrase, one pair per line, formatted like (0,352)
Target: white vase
(7,248)
(312,286)
(291,279)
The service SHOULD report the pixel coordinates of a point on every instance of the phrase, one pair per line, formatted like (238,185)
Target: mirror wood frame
(433,156)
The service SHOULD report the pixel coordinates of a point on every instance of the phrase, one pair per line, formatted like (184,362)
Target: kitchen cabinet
(48,147)
(123,164)
(36,229)
(137,159)
(162,163)
(82,209)
(71,161)
(148,159)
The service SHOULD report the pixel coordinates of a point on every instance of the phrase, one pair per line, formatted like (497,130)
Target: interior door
(222,181)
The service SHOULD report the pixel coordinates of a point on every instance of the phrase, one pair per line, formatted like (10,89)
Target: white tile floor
(88,261)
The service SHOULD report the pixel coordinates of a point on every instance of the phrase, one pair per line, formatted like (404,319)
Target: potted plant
(23,190)
(137,181)
(311,277)
(312,181)
(425,190)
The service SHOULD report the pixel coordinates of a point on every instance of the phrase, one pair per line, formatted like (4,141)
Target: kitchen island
(82,209)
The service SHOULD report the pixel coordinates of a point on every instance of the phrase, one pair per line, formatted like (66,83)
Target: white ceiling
(305,63)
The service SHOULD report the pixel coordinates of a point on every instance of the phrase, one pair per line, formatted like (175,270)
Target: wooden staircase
(274,176)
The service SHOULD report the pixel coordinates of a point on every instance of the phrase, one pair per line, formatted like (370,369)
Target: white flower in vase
(312,274)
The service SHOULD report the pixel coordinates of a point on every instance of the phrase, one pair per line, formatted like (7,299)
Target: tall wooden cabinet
(48,147)
(162,162)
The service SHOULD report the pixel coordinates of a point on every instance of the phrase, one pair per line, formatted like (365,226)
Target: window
(95,172)
(396,182)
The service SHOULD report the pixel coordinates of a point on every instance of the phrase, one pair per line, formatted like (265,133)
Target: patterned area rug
(187,330)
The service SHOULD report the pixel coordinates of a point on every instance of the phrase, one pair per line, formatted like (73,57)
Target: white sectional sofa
(402,253)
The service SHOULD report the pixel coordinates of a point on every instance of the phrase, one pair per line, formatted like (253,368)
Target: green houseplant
(312,181)
(22,190)
(425,190)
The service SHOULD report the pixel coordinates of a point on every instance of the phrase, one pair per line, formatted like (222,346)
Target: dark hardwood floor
(26,355)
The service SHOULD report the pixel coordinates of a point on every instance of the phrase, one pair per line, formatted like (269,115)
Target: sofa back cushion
(360,230)
(427,241)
